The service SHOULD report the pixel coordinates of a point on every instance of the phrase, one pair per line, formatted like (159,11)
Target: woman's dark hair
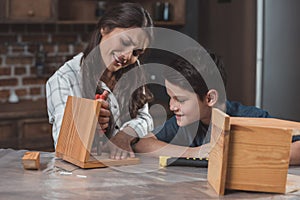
(123,15)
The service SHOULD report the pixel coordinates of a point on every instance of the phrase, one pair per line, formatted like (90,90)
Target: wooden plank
(77,134)
(78,128)
(267,123)
(217,165)
(100,161)
(31,160)
(258,157)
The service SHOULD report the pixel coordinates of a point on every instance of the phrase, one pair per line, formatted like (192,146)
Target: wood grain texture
(267,123)
(258,153)
(78,128)
(217,165)
(77,134)
(258,156)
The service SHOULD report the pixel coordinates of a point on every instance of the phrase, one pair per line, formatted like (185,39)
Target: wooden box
(77,134)
(250,154)
(31,160)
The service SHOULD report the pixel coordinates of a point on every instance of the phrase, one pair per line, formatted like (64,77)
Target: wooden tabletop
(57,179)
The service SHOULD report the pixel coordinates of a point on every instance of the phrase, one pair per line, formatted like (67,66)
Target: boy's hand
(204,150)
(120,146)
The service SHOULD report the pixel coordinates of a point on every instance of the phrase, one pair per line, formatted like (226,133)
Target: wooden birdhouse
(249,154)
(77,134)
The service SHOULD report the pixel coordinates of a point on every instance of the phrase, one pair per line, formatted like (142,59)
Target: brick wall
(19,44)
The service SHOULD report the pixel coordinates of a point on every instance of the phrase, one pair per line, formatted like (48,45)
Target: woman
(113,51)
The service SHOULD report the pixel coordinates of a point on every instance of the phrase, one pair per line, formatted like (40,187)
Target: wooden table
(60,180)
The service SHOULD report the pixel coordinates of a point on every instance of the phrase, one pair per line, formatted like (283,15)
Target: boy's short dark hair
(220,65)
(183,74)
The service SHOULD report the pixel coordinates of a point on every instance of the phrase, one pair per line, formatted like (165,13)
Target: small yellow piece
(163,160)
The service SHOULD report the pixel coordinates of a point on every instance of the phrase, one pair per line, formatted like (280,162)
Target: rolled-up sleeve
(143,123)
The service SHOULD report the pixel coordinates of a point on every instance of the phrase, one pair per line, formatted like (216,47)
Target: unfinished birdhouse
(250,154)
(77,134)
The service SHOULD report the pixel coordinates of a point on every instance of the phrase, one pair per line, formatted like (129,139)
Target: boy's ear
(212,97)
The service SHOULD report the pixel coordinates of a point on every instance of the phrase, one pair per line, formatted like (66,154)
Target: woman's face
(187,106)
(122,47)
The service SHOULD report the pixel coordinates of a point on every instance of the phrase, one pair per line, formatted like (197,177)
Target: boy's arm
(150,145)
(295,153)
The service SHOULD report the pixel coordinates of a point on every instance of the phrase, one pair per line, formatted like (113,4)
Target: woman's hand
(120,146)
(104,115)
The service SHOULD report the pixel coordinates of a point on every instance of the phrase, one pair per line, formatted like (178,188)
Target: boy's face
(187,106)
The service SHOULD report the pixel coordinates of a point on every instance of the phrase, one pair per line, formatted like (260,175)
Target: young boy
(191,101)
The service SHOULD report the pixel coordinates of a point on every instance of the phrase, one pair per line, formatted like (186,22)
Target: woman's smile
(119,60)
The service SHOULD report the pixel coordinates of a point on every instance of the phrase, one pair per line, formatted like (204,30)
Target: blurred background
(257,40)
